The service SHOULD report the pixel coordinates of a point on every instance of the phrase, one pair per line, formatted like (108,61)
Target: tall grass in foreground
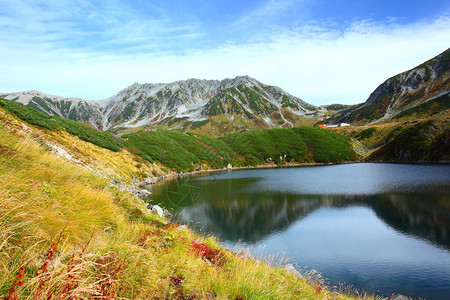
(64,234)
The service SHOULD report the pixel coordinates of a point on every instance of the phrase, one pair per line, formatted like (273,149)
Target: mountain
(209,106)
(216,107)
(420,92)
(70,227)
(230,104)
(87,112)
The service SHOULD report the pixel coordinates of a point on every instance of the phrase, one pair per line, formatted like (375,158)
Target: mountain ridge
(430,81)
(180,104)
(218,107)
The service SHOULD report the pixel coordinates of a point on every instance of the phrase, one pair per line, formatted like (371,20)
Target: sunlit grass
(65,232)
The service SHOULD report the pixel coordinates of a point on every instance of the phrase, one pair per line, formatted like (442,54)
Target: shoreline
(174,175)
(289,267)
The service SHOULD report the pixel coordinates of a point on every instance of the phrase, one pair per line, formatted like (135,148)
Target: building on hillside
(333,125)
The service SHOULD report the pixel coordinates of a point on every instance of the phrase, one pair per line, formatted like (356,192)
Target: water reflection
(233,210)
(424,215)
(380,227)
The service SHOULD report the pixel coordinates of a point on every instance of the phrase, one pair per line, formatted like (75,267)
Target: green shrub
(84,132)
(366,133)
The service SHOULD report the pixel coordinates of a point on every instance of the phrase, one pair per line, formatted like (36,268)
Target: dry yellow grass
(65,233)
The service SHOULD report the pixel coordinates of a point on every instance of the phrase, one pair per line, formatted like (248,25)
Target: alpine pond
(381,228)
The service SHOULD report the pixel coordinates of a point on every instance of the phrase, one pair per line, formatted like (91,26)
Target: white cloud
(269,9)
(316,62)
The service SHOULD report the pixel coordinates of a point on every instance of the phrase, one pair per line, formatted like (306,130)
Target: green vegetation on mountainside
(297,145)
(427,109)
(409,141)
(177,150)
(419,141)
(188,151)
(67,233)
(181,151)
(84,132)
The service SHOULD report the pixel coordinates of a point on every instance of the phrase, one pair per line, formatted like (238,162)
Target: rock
(181,227)
(229,166)
(150,180)
(143,193)
(160,211)
(291,268)
(167,214)
(157,209)
(24,127)
(59,151)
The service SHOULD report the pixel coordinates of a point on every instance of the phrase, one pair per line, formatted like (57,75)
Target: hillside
(206,106)
(179,151)
(84,132)
(67,232)
(419,92)
(191,151)
(421,140)
(76,109)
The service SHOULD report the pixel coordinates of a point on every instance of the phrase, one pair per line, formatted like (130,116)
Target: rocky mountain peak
(242,102)
(405,93)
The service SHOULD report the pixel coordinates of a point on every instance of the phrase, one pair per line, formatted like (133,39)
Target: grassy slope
(64,232)
(178,150)
(300,144)
(187,151)
(408,141)
(416,141)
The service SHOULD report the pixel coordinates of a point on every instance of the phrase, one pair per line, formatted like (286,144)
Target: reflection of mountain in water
(422,215)
(252,220)
(227,209)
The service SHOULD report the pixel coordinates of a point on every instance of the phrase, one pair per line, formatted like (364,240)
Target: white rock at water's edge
(157,209)
(143,193)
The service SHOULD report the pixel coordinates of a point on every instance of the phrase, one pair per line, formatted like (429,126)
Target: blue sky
(323,51)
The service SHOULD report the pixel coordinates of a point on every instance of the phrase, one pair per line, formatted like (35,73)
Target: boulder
(143,193)
(167,214)
(157,209)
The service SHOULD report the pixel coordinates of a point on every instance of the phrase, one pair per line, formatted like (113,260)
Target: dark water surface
(383,228)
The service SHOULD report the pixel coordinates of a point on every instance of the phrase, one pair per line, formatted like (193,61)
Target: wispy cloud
(269,9)
(93,51)
(91,25)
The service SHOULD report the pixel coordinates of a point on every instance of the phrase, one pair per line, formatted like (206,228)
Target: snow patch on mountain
(181,101)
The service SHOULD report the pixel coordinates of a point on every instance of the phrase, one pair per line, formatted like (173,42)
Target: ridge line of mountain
(180,104)
(217,107)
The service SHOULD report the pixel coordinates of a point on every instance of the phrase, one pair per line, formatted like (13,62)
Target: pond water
(381,228)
